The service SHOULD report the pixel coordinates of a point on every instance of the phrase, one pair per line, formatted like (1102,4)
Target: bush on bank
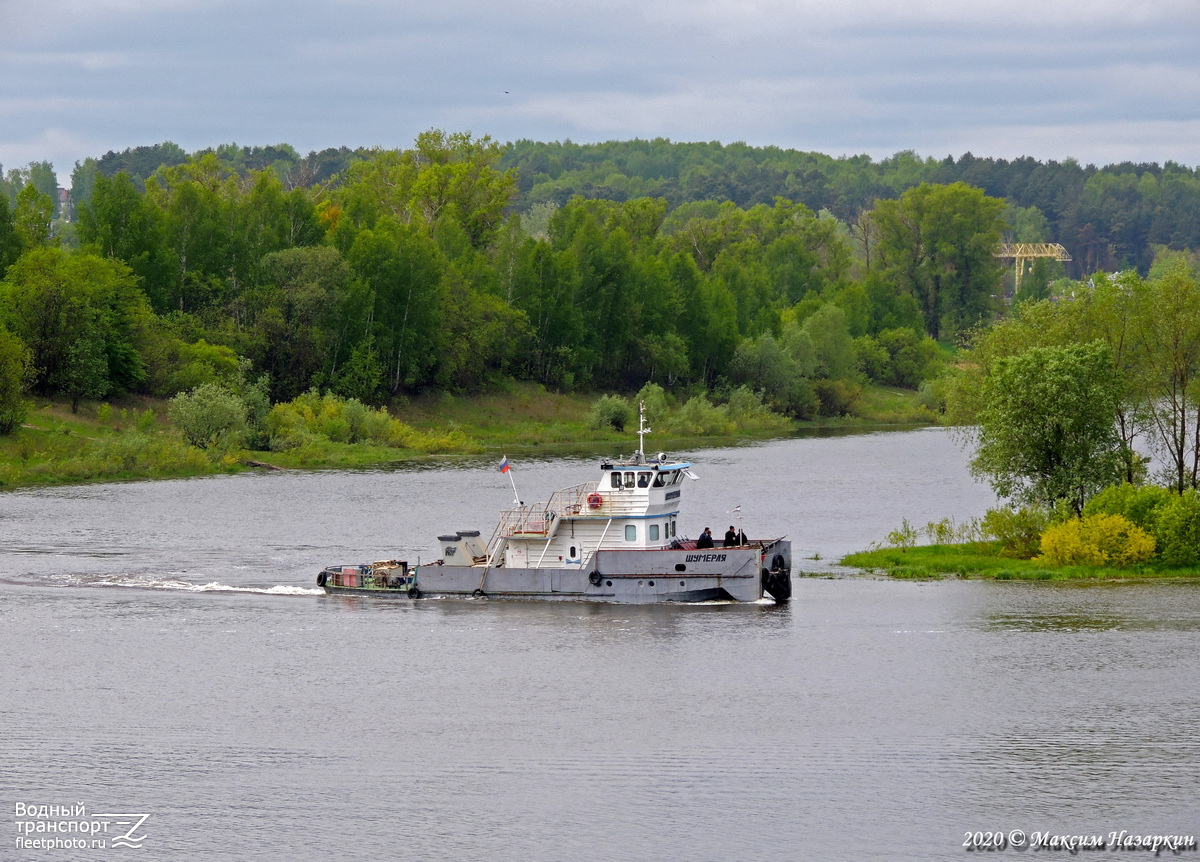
(1146,530)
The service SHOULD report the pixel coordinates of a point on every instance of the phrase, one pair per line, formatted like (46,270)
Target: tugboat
(612,540)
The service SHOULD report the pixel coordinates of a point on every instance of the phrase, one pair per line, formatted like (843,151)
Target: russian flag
(504,464)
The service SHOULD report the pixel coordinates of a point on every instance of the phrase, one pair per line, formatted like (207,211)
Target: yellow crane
(1020,252)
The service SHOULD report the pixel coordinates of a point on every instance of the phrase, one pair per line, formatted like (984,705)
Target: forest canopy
(460,262)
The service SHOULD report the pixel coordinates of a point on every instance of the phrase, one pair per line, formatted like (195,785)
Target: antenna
(642,432)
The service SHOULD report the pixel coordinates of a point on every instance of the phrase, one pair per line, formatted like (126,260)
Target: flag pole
(505,468)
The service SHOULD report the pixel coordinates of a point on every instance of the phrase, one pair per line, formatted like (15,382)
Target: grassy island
(983,560)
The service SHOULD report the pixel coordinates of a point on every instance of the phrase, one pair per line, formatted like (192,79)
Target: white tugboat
(612,540)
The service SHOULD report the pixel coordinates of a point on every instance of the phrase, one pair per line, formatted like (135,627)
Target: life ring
(594,500)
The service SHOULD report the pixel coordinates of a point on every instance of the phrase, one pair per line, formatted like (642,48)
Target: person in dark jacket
(706,539)
(731,538)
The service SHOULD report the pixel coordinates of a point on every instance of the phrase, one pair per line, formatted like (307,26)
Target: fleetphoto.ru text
(70,827)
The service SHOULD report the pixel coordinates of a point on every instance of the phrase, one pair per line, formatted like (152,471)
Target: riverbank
(982,560)
(134,438)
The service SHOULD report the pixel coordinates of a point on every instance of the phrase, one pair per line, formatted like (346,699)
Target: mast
(640,456)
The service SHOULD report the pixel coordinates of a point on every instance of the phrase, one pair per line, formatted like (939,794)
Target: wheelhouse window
(616,480)
(643,480)
(660,479)
(629,479)
(654,532)
(630,533)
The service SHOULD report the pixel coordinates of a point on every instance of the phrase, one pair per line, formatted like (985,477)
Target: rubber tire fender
(594,578)
(322,578)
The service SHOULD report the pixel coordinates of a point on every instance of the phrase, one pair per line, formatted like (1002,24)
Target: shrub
(948,532)
(1096,540)
(1177,529)
(310,422)
(747,411)
(610,411)
(836,396)
(1139,505)
(903,537)
(1019,531)
(700,416)
(210,417)
(656,402)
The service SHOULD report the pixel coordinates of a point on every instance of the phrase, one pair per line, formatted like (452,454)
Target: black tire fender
(594,578)
(322,578)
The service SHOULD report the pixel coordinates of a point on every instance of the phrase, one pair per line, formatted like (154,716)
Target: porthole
(608,583)
(681,583)
(652,583)
(680,567)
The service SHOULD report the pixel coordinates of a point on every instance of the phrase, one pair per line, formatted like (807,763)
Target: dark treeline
(458,263)
(1109,218)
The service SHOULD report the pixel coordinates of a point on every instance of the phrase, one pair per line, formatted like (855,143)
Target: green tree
(54,301)
(1168,347)
(118,221)
(33,216)
(10,240)
(15,371)
(306,315)
(404,269)
(210,417)
(85,372)
(1046,432)
(936,242)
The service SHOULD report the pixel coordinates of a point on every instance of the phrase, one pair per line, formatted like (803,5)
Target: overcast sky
(1098,80)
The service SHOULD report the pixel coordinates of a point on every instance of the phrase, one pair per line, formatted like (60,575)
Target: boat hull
(626,577)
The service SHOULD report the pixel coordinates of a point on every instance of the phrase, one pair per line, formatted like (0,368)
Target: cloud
(1008,77)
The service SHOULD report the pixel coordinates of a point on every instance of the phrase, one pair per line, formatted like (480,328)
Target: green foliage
(1096,540)
(611,411)
(173,365)
(81,317)
(1018,531)
(311,421)
(654,397)
(947,531)
(699,416)
(210,417)
(903,537)
(1046,429)
(14,377)
(937,242)
(898,357)
(837,397)
(1167,321)
(1140,504)
(747,412)
(33,216)
(1177,529)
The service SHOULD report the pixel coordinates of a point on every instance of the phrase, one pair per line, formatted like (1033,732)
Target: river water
(167,653)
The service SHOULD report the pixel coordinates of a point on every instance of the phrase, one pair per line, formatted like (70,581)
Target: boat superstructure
(615,539)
